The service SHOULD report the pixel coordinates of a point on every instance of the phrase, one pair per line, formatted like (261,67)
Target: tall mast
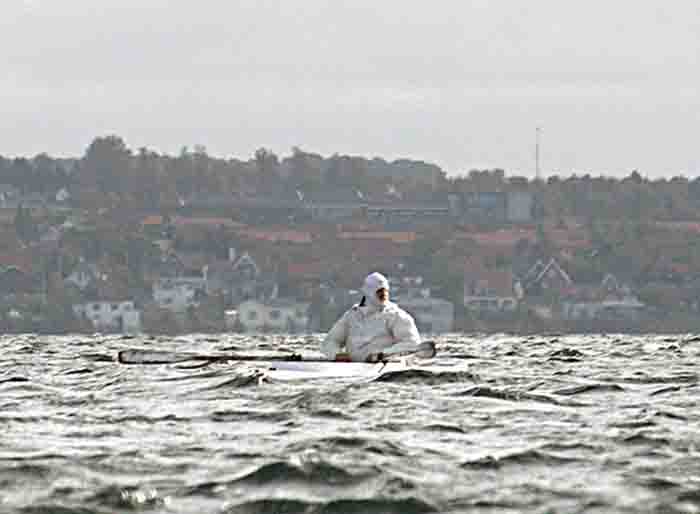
(537,153)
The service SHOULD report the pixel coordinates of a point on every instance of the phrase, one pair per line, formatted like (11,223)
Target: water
(495,424)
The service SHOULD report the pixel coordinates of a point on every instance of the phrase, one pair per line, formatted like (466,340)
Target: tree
(106,164)
(267,165)
(25,227)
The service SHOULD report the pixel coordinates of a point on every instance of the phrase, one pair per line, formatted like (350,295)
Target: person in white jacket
(372,327)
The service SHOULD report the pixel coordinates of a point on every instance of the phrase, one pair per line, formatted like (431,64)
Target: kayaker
(369,328)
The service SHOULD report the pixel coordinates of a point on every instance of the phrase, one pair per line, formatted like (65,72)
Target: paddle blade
(426,350)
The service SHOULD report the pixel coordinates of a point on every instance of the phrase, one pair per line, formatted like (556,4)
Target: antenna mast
(537,153)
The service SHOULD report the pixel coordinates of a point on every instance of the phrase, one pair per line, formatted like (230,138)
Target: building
(520,207)
(432,315)
(84,275)
(173,295)
(276,315)
(110,316)
(491,292)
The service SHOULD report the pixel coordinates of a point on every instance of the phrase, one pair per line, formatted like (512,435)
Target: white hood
(373,283)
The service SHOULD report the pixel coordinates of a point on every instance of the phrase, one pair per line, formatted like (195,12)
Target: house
(168,265)
(306,278)
(277,206)
(546,277)
(110,316)
(62,195)
(174,295)
(491,292)
(173,264)
(474,207)
(238,278)
(432,315)
(608,300)
(83,275)
(276,315)
(407,213)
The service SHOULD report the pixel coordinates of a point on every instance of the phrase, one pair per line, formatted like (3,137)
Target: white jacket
(367,330)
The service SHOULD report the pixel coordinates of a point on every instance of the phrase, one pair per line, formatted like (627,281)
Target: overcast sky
(614,84)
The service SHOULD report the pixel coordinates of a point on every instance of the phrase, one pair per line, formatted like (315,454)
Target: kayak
(290,370)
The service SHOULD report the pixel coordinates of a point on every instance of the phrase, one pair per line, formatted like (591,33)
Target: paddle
(424,350)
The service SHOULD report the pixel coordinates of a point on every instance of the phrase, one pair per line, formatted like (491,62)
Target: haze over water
(494,424)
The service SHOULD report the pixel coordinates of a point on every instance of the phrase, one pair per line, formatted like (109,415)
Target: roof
(540,270)
(308,269)
(376,248)
(207,222)
(152,220)
(500,282)
(505,237)
(290,236)
(396,237)
(16,260)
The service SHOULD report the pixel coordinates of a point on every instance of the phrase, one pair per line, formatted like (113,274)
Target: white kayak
(291,370)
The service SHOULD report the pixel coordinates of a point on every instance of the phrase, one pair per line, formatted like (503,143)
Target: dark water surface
(495,424)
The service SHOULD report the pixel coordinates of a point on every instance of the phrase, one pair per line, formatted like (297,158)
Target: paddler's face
(383,295)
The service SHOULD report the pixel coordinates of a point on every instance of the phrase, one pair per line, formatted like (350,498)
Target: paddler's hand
(342,357)
(375,357)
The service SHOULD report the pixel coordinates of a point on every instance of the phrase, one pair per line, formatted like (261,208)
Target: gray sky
(464,83)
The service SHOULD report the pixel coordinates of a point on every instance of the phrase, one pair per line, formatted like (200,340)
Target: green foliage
(106,163)
(24,225)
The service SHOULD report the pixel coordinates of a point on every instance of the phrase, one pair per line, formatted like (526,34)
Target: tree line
(146,176)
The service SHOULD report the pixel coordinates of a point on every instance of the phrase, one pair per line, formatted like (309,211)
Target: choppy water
(496,424)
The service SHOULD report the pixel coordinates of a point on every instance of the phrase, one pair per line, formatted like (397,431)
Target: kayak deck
(284,370)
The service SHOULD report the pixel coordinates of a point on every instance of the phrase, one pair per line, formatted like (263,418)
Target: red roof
(152,220)
(307,269)
(378,248)
(291,236)
(505,237)
(19,261)
(207,222)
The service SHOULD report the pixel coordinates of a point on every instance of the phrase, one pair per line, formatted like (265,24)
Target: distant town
(132,241)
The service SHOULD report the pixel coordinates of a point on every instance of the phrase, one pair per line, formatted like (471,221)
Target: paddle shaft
(142,356)
(136,356)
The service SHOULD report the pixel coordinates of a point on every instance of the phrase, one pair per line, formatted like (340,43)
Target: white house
(62,195)
(278,315)
(110,316)
(608,301)
(174,294)
(83,275)
(626,308)
(432,315)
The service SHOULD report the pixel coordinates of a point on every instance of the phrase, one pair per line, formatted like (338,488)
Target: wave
(332,445)
(425,377)
(529,456)
(283,473)
(367,506)
(588,388)
(514,396)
